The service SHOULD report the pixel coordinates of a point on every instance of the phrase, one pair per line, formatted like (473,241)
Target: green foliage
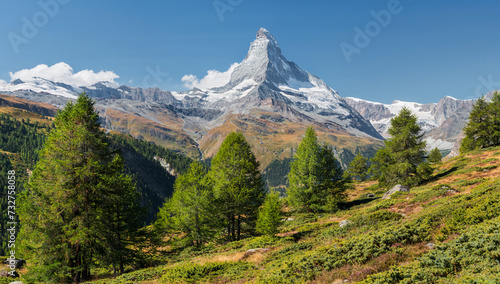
(315,178)
(483,128)
(78,204)
(269,218)
(473,255)
(190,210)
(358,168)
(401,161)
(435,156)
(23,137)
(150,150)
(237,185)
(194,273)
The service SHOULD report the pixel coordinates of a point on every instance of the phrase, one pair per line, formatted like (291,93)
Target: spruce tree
(358,168)
(190,210)
(65,210)
(435,156)
(269,215)
(237,184)
(315,177)
(402,160)
(483,128)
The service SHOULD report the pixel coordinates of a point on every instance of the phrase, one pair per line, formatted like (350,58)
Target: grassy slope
(387,241)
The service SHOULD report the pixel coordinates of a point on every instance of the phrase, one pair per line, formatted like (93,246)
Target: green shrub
(192,273)
(473,255)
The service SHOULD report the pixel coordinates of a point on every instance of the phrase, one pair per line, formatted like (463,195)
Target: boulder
(19,263)
(344,223)
(254,251)
(395,189)
(370,195)
(5,273)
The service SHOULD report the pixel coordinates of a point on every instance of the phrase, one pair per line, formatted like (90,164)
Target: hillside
(24,125)
(446,230)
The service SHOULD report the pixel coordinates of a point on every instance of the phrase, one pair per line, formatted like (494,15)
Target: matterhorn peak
(265,36)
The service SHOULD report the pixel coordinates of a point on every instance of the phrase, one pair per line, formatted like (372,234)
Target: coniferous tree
(315,178)
(269,215)
(190,209)
(358,168)
(483,128)
(402,160)
(435,156)
(74,187)
(237,184)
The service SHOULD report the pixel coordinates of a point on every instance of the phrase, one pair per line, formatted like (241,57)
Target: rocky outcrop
(396,188)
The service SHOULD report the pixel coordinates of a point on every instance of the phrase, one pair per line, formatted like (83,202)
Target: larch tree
(358,168)
(483,127)
(435,156)
(190,210)
(402,160)
(237,183)
(66,210)
(315,177)
(270,218)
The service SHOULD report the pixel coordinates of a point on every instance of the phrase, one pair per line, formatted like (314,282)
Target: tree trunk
(239,227)
(233,234)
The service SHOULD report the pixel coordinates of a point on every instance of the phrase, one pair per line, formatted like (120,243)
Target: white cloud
(63,73)
(213,79)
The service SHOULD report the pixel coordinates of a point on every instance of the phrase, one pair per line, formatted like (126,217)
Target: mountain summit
(269,99)
(266,80)
(264,62)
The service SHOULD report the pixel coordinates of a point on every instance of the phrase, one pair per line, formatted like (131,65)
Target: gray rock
(19,263)
(395,189)
(16,282)
(430,245)
(370,195)
(290,219)
(344,223)
(254,251)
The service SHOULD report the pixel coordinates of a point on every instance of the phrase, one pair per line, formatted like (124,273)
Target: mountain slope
(446,230)
(268,98)
(442,122)
(23,135)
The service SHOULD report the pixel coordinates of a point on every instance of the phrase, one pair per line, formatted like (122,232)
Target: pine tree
(74,186)
(476,130)
(237,184)
(358,168)
(315,178)
(402,160)
(435,156)
(190,209)
(483,128)
(269,215)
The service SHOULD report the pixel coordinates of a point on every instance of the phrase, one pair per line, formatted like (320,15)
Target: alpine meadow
(129,162)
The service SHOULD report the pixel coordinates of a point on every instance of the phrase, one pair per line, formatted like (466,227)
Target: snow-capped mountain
(442,122)
(268,98)
(266,75)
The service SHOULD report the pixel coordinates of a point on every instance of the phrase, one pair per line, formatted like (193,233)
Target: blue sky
(427,50)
